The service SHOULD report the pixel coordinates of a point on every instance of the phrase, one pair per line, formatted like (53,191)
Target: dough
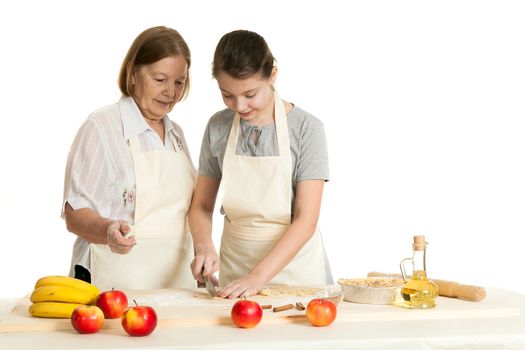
(274,291)
(206,296)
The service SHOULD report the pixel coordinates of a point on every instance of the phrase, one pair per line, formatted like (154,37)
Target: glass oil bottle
(418,292)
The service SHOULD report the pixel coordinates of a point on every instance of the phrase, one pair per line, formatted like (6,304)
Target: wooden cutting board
(194,307)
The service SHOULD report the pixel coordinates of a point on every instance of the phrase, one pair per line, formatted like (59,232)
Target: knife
(210,287)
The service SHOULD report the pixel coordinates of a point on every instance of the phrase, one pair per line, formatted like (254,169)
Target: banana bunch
(58,296)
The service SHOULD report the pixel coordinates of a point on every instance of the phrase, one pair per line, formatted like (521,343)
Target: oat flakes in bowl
(371,290)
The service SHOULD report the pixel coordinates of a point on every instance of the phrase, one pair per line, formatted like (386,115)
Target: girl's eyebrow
(243,93)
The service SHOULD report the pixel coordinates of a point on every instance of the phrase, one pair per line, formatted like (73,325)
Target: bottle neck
(419,261)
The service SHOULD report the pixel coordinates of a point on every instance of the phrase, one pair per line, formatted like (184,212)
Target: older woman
(129,177)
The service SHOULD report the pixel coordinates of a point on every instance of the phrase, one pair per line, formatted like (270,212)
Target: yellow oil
(418,292)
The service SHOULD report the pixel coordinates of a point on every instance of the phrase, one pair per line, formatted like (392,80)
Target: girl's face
(158,86)
(252,98)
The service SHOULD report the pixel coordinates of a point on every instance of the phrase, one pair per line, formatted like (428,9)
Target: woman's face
(158,86)
(252,98)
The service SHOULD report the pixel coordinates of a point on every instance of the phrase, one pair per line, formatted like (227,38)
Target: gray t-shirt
(307,144)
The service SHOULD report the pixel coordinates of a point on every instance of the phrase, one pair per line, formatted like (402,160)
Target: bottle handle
(402,267)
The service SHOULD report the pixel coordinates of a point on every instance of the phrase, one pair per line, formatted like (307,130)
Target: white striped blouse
(99,172)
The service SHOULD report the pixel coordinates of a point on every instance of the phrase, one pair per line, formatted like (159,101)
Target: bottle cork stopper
(419,243)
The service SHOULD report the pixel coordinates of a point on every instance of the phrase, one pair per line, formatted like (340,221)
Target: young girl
(270,158)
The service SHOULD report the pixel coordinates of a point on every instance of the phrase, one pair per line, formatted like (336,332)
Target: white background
(423,105)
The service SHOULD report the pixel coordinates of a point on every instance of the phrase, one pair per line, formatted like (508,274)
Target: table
(498,322)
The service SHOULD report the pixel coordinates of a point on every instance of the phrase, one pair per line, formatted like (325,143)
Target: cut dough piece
(273,291)
(206,296)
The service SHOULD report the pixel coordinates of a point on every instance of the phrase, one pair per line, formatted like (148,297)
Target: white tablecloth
(507,332)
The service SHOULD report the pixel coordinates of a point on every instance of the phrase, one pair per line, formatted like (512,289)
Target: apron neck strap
(281,128)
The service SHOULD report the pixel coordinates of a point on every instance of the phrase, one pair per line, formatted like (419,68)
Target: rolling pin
(447,288)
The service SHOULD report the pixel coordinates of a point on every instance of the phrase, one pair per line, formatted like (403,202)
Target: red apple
(321,312)
(139,320)
(87,319)
(113,303)
(246,313)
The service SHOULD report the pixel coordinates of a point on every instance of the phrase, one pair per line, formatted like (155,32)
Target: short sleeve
(208,159)
(88,171)
(312,162)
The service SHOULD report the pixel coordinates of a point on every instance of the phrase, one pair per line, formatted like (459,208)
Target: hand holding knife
(210,280)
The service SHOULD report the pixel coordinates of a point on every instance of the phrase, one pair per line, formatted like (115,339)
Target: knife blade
(210,287)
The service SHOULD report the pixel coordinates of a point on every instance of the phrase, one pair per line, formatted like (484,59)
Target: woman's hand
(205,263)
(115,236)
(245,286)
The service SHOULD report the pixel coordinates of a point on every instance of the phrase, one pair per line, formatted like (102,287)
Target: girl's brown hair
(242,54)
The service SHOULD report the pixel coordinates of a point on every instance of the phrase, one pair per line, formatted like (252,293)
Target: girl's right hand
(205,263)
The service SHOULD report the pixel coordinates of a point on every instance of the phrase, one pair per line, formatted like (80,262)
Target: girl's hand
(245,286)
(205,264)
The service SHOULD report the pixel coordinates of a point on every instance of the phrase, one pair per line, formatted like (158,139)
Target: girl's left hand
(243,287)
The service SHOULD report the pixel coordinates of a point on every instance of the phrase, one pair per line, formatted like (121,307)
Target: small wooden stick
(300,306)
(283,307)
(268,306)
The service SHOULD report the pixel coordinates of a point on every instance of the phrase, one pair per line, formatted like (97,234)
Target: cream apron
(161,258)
(257,197)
